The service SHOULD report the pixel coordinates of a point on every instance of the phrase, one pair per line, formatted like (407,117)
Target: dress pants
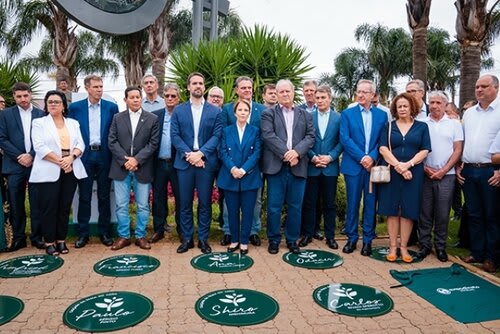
(164,173)
(284,187)
(202,180)
(240,203)
(97,169)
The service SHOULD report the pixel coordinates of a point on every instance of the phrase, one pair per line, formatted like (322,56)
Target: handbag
(382,174)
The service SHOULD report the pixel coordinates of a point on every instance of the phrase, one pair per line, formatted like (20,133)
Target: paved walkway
(175,286)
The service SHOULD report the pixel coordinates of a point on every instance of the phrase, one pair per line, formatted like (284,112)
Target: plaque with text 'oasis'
(126,265)
(222,262)
(313,259)
(29,265)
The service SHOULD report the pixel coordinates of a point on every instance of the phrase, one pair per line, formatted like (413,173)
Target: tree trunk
(470,63)
(419,57)
(134,62)
(159,46)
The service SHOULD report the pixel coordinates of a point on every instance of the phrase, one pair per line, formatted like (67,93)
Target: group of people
(298,150)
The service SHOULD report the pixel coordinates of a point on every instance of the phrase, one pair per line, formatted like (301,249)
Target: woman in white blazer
(58,145)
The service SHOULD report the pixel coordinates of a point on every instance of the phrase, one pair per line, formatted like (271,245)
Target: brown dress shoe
(120,243)
(489,266)
(157,236)
(470,259)
(142,243)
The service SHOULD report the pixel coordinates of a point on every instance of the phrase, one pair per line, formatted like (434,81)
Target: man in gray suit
(288,135)
(133,140)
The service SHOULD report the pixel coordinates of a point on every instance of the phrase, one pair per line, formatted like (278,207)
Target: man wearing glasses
(164,172)
(216,97)
(417,89)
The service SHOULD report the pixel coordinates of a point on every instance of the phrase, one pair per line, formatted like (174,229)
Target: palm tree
(91,58)
(418,20)
(473,33)
(10,73)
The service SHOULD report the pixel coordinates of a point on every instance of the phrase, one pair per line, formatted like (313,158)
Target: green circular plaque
(110,311)
(10,307)
(29,265)
(222,262)
(313,259)
(353,299)
(379,253)
(126,265)
(236,307)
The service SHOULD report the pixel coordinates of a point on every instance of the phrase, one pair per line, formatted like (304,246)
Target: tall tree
(473,32)
(418,20)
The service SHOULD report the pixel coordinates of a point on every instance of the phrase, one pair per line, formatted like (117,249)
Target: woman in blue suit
(240,175)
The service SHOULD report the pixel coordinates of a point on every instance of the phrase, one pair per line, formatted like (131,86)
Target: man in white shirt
(439,182)
(480,177)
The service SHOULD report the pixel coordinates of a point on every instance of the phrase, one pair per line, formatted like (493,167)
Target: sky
(324,27)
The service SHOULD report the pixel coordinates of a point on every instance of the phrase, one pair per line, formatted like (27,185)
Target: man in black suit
(15,141)
(164,167)
(133,140)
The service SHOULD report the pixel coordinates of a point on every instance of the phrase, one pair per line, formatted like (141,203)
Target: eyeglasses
(2,101)
(170,96)
(216,96)
(56,102)
(413,91)
(359,92)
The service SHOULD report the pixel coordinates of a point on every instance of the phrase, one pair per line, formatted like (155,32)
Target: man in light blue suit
(360,128)
(94,115)
(195,130)
(243,88)
(323,170)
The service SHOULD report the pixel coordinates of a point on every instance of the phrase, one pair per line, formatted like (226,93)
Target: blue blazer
(352,138)
(182,134)
(79,110)
(327,145)
(245,155)
(229,118)
(12,138)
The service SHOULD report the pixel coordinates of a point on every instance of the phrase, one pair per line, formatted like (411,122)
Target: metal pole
(197,33)
(214,16)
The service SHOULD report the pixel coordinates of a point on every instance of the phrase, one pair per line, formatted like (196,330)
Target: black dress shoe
(62,248)
(292,246)
(233,249)
(441,255)
(38,244)
(185,246)
(16,245)
(51,250)
(81,242)
(105,240)
(332,243)
(157,236)
(460,244)
(226,240)
(255,240)
(204,247)
(273,248)
(318,236)
(367,249)
(349,247)
(305,241)
(243,251)
(423,252)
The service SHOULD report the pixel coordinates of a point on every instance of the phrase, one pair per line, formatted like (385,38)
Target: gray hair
(173,86)
(418,82)
(440,94)
(149,75)
(242,78)
(366,81)
(215,88)
(310,83)
(282,82)
(324,89)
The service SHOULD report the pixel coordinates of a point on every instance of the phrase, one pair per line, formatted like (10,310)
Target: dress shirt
(95,123)
(134,120)
(312,109)
(422,115)
(157,104)
(288,115)
(444,133)
(481,126)
(196,111)
(323,118)
(241,131)
(26,121)
(495,146)
(367,116)
(166,144)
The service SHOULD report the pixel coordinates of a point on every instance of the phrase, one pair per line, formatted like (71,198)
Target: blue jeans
(122,195)
(284,187)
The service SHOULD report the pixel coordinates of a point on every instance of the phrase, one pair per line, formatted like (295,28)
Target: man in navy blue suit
(94,115)
(196,128)
(360,128)
(18,154)
(243,87)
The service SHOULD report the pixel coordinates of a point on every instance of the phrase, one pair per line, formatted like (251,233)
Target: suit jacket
(229,118)
(80,111)
(182,134)
(12,138)
(145,144)
(274,136)
(245,155)
(327,145)
(161,117)
(45,140)
(352,138)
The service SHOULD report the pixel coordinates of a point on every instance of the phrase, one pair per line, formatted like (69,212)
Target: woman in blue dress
(400,199)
